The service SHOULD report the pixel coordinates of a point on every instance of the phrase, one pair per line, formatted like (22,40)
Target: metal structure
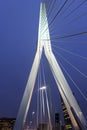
(61,82)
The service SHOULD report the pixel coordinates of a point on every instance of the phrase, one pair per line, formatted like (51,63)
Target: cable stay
(42,98)
(47,10)
(48,108)
(77,18)
(51,8)
(70,52)
(50,125)
(43,73)
(71,35)
(55,41)
(39,96)
(40,106)
(83,2)
(75,68)
(58,12)
(67,36)
(37,101)
(52,35)
(43,104)
(48,5)
(56,15)
(64,11)
(77,87)
(39,84)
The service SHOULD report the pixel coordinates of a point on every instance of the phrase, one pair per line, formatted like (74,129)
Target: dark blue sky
(18,36)
(19,21)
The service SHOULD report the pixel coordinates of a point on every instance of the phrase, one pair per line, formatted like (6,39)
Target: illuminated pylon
(61,82)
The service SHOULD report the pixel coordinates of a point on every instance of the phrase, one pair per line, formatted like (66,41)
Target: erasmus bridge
(44,46)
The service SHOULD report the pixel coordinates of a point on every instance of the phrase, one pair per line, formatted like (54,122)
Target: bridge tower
(63,86)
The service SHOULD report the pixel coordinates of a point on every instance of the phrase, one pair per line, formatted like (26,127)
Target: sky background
(19,21)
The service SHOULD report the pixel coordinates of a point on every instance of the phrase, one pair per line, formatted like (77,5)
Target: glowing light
(43,88)
(33,113)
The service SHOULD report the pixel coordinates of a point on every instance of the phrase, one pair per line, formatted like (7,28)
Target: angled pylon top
(43,32)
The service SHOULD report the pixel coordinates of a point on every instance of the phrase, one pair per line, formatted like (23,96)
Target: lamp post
(33,123)
(43,89)
(42,102)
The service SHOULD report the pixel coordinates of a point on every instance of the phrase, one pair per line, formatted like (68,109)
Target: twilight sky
(19,21)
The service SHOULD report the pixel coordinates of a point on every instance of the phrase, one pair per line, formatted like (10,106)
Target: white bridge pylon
(61,82)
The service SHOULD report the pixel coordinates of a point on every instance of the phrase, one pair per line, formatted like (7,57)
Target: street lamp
(42,102)
(33,113)
(43,88)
